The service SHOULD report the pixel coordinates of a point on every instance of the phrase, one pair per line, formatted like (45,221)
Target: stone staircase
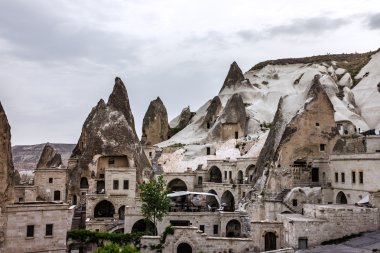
(157,169)
(79,218)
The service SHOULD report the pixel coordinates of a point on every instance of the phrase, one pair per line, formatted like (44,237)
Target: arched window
(341,198)
(215,175)
(104,209)
(228,201)
(233,229)
(121,213)
(240,177)
(184,248)
(83,183)
(144,226)
(177,185)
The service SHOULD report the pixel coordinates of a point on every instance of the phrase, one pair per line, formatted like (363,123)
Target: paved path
(367,243)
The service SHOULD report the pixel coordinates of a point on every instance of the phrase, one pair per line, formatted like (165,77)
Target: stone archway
(249,171)
(341,198)
(83,183)
(240,177)
(104,209)
(270,241)
(121,212)
(184,248)
(233,228)
(228,201)
(215,174)
(176,185)
(212,202)
(144,226)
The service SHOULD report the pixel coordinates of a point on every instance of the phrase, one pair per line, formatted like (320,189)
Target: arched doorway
(211,201)
(144,226)
(83,183)
(249,171)
(121,212)
(215,175)
(228,201)
(240,177)
(341,198)
(270,241)
(104,209)
(233,229)
(177,185)
(184,248)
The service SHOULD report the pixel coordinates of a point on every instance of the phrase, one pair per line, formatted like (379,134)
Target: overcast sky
(58,58)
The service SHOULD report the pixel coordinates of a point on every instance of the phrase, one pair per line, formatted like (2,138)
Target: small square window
(294,202)
(50,180)
(126,185)
(30,231)
(116,184)
(111,161)
(322,147)
(317,124)
(101,175)
(49,230)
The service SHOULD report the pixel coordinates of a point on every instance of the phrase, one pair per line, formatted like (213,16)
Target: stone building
(37,227)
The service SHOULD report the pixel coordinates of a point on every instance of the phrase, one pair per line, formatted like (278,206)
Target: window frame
(115,184)
(49,228)
(125,183)
(29,231)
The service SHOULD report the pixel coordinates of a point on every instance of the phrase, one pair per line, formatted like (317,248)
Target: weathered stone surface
(234,77)
(6,164)
(155,126)
(49,158)
(184,117)
(108,130)
(232,122)
(301,140)
(212,112)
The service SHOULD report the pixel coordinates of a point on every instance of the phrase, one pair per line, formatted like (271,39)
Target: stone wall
(50,180)
(39,214)
(25,193)
(199,242)
(327,222)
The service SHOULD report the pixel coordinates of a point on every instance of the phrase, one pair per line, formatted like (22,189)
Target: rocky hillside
(25,157)
(109,130)
(7,173)
(351,82)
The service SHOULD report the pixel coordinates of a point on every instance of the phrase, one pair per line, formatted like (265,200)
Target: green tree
(155,200)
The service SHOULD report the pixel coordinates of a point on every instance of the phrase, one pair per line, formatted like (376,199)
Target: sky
(59,58)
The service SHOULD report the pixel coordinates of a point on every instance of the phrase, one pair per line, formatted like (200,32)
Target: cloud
(374,21)
(37,34)
(296,27)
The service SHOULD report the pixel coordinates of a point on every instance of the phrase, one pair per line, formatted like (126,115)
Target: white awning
(364,200)
(185,193)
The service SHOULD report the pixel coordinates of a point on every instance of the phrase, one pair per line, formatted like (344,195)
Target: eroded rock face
(184,118)
(232,122)
(212,112)
(6,165)
(49,158)
(109,130)
(234,77)
(155,126)
(310,134)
